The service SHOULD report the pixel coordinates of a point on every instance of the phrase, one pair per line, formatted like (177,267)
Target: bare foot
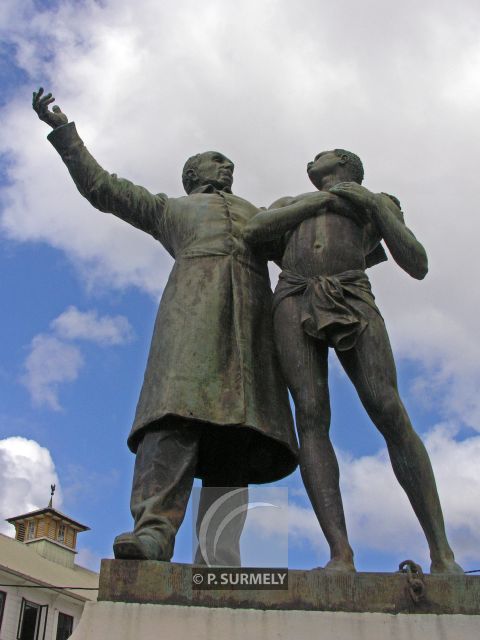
(446,566)
(340,566)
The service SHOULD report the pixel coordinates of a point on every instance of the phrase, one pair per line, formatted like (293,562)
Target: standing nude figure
(323,299)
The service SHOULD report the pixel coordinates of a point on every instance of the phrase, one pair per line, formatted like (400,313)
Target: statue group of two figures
(214,402)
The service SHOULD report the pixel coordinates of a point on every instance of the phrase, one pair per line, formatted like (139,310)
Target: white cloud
(150,86)
(458,476)
(303,528)
(379,516)
(270,84)
(50,363)
(434,324)
(73,324)
(26,473)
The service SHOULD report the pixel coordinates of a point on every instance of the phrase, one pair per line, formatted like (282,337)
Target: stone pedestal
(119,621)
(150,582)
(156,600)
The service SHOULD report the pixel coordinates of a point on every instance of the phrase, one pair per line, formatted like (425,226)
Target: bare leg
(304,363)
(371,368)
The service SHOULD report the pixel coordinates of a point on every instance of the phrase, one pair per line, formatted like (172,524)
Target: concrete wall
(54,552)
(121,621)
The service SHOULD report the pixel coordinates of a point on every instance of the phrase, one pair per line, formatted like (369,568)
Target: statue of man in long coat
(213,403)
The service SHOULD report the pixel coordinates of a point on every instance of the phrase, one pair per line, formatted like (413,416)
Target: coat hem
(283,456)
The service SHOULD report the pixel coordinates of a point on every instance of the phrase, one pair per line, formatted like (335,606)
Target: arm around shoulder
(284,214)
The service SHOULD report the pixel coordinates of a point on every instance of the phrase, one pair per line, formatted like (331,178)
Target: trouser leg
(223,502)
(222,512)
(162,482)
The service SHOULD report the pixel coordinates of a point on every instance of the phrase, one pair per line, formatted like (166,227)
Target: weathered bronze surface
(324,299)
(317,590)
(213,402)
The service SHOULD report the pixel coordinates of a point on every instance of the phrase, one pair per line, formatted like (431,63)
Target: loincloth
(329,310)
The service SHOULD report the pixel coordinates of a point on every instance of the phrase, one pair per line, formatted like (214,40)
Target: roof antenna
(52,489)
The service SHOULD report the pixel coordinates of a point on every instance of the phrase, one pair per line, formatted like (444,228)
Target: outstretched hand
(355,193)
(40,102)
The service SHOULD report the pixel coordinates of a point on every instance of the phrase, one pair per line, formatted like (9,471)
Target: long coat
(212,359)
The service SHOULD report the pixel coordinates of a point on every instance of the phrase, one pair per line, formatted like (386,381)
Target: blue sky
(270,86)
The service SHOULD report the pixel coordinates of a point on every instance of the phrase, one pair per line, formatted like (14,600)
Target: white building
(42,590)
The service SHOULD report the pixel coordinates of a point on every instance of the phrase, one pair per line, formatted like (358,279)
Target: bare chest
(325,245)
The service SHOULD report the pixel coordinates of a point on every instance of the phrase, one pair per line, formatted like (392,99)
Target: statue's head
(211,168)
(344,164)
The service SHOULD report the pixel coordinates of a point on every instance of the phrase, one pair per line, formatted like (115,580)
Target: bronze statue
(323,299)
(213,402)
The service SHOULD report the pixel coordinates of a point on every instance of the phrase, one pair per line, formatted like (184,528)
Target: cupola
(49,532)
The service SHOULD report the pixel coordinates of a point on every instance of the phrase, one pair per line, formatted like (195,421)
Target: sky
(270,83)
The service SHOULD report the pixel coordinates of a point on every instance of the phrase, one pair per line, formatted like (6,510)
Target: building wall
(56,602)
(53,552)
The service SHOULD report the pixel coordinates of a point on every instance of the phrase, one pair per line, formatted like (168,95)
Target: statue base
(150,582)
(158,600)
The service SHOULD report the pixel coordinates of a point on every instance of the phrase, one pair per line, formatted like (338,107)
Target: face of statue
(216,169)
(324,164)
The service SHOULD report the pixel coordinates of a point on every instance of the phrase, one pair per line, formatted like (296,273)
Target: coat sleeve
(109,193)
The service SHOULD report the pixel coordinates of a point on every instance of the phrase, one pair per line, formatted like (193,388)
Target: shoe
(130,546)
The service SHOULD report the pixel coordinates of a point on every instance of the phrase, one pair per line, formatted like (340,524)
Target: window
(21,532)
(31,530)
(64,626)
(33,621)
(61,533)
(3,597)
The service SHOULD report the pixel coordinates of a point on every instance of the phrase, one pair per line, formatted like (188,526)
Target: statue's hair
(355,164)
(191,163)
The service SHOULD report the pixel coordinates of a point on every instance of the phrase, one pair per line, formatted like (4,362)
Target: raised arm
(406,250)
(105,191)
(283,215)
